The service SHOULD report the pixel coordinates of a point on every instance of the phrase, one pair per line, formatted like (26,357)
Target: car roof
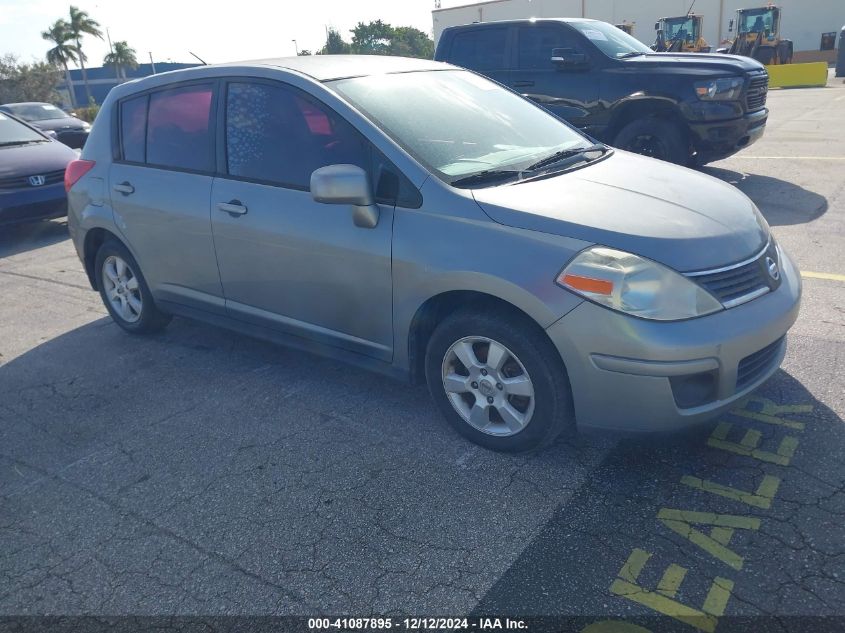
(519,21)
(326,67)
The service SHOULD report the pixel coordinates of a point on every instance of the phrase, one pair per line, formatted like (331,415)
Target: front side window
(276,134)
(483,49)
(461,124)
(536,44)
(179,130)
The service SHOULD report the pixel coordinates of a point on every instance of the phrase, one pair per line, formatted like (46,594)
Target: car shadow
(780,202)
(19,238)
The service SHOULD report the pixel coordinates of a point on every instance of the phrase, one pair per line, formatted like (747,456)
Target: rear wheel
(124,291)
(499,382)
(656,138)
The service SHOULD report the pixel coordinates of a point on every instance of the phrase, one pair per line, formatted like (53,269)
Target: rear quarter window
(133,129)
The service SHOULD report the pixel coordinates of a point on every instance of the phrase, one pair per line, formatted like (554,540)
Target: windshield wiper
(631,54)
(486,176)
(566,153)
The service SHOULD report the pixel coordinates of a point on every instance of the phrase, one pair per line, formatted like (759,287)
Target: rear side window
(482,49)
(133,129)
(275,134)
(179,128)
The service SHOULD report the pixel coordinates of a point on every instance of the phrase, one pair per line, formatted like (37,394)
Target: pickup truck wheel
(499,382)
(124,291)
(655,138)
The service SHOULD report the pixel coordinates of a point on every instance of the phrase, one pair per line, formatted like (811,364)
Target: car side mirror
(346,184)
(568,58)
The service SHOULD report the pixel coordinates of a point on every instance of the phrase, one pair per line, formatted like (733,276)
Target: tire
(125,292)
(525,353)
(656,138)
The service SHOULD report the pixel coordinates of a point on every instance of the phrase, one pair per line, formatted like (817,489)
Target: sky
(216,31)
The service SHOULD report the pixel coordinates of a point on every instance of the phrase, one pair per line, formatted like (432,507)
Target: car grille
(757,364)
(758,89)
(743,282)
(22,182)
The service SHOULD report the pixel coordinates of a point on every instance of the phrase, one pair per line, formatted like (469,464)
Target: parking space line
(829,276)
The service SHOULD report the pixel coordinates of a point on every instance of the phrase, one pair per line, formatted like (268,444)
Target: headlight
(86,126)
(725,89)
(635,285)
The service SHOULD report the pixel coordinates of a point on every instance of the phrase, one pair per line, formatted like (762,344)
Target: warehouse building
(812,25)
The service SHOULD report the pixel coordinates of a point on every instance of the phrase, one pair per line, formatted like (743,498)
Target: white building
(803,21)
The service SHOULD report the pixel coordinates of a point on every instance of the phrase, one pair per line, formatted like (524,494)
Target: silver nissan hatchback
(420,220)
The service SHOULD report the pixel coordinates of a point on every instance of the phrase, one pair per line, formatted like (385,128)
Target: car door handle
(125,188)
(233,207)
(522,84)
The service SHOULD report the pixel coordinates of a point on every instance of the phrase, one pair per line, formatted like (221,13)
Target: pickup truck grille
(22,182)
(755,96)
(738,284)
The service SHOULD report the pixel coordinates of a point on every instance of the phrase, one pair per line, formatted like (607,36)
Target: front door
(571,94)
(288,262)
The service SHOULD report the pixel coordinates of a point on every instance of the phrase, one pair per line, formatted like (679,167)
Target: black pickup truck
(690,108)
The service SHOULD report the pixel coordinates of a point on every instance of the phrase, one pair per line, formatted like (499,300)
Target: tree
(373,38)
(410,42)
(63,53)
(121,57)
(334,44)
(27,82)
(82,24)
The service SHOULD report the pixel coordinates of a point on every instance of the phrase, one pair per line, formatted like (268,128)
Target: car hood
(67,123)
(37,158)
(673,215)
(701,62)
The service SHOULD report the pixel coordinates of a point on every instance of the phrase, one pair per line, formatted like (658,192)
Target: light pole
(152,63)
(296,46)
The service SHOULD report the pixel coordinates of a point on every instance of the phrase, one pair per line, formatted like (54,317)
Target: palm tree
(121,57)
(63,52)
(82,24)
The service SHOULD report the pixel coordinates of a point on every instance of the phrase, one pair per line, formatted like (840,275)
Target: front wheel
(124,291)
(656,138)
(498,381)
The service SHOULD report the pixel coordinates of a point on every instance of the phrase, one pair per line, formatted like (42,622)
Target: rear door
(287,262)
(160,188)
(572,94)
(485,49)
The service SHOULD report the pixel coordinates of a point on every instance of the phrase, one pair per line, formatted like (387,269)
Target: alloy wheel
(488,386)
(122,289)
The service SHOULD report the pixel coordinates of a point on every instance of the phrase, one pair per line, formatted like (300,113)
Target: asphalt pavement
(199,472)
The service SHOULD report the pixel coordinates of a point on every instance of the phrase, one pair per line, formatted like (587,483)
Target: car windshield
(37,111)
(458,124)
(611,41)
(14,133)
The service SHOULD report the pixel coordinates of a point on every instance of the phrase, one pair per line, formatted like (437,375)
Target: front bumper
(622,369)
(36,203)
(716,140)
